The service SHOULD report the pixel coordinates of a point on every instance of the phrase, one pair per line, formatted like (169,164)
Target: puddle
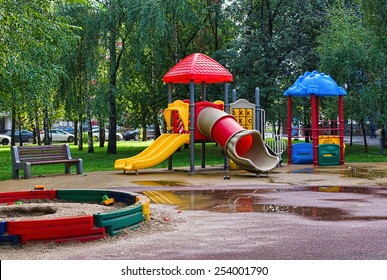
(247,200)
(361,172)
(360,190)
(165,183)
(305,170)
(350,172)
(314,213)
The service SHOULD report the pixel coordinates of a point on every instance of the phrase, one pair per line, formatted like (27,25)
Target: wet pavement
(296,212)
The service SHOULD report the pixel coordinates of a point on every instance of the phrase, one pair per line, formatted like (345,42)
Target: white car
(119,136)
(58,135)
(5,139)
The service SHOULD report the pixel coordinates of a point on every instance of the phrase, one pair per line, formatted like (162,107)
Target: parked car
(135,134)
(26,135)
(132,134)
(119,135)
(4,139)
(68,129)
(58,135)
(150,133)
(85,128)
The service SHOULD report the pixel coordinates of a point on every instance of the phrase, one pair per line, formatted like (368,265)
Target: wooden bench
(23,157)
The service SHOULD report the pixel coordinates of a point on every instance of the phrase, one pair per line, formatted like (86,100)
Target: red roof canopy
(199,68)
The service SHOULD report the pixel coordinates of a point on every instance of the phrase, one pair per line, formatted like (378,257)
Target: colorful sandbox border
(78,228)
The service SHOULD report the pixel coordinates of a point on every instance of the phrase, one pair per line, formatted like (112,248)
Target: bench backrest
(43,153)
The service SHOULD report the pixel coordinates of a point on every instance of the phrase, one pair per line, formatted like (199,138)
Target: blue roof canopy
(315,83)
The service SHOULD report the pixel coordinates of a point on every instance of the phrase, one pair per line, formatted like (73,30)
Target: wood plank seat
(23,157)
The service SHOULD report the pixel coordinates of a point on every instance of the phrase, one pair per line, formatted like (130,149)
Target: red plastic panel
(39,194)
(57,230)
(178,126)
(198,68)
(224,128)
(199,106)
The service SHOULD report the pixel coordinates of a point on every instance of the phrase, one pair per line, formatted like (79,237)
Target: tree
(118,19)
(275,44)
(346,53)
(376,26)
(34,37)
(80,82)
(166,32)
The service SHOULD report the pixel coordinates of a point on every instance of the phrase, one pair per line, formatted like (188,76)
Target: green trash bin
(328,154)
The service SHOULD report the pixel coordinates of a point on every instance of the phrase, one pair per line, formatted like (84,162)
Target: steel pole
(192,125)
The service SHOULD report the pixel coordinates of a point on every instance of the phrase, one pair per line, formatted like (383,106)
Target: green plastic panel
(116,221)
(81,195)
(328,154)
(124,197)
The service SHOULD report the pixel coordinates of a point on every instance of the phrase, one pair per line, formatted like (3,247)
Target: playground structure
(78,228)
(190,122)
(327,147)
(252,116)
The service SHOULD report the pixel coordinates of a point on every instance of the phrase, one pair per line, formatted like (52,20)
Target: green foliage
(275,44)
(35,36)
(341,43)
(353,52)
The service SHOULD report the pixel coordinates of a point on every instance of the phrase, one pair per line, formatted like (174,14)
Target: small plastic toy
(106,200)
(109,201)
(39,187)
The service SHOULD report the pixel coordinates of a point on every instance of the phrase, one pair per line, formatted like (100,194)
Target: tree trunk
(76,132)
(102,135)
(90,144)
(176,43)
(364,135)
(112,144)
(351,134)
(47,136)
(37,128)
(144,128)
(13,127)
(80,144)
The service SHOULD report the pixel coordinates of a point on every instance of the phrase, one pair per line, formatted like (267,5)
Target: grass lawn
(100,160)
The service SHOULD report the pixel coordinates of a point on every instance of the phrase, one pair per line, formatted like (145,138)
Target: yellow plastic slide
(163,147)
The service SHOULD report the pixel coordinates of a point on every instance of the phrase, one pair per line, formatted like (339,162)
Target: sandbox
(136,209)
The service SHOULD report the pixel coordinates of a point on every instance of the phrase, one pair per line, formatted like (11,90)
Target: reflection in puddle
(315,213)
(362,172)
(361,190)
(304,170)
(350,172)
(159,183)
(233,201)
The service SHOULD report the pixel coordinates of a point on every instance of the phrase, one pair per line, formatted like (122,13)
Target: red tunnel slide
(245,147)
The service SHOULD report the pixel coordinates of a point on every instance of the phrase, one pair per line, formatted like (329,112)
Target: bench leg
(15,173)
(27,170)
(67,168)
(79,166)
